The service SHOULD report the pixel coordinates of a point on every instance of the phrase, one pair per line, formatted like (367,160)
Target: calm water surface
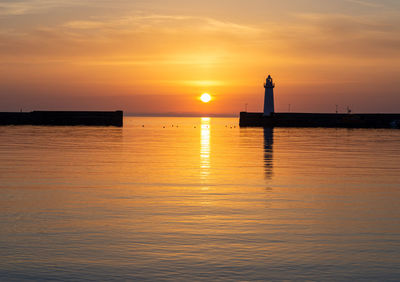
(200,199)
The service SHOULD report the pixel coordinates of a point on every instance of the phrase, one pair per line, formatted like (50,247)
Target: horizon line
(178,115)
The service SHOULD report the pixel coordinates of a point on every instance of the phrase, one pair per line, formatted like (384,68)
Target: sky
(159,56)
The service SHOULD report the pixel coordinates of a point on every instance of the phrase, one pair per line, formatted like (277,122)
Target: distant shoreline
(180,115)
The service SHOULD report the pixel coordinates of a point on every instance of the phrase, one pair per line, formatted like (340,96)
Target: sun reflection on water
(205,148)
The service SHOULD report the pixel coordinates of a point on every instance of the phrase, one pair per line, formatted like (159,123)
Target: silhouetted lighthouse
(269,107)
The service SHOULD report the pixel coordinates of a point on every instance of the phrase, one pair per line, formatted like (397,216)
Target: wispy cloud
(87,24)
(366,3)
(172,23)
(17,8)
(342,36)
(217,25)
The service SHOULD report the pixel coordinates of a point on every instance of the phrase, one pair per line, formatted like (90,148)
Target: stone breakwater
(63,118)
(320,120)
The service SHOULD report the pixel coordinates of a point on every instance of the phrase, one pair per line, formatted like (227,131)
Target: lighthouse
(269,107)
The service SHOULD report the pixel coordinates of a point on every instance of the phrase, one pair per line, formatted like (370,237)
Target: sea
(198,199)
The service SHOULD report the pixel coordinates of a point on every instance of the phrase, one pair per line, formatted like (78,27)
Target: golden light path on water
(205,148)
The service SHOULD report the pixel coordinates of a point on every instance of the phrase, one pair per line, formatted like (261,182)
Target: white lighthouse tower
(269,107)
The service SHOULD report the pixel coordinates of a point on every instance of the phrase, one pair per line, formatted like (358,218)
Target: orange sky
(158,56)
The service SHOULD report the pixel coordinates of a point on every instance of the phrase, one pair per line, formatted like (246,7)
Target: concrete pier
(320,120)
(63,118)
(271,119)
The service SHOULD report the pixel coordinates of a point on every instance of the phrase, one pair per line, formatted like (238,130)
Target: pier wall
(63,118)
(320,120)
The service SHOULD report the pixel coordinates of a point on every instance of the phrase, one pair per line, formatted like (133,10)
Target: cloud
(342,35)
(138,40)
(87,24)
(367,4)
(225,26)
(142,39)
(17,8)
(165,23)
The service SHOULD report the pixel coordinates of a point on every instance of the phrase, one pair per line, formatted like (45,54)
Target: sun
(205,98)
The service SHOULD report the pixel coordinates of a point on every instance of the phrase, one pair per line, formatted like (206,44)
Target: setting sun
(205,98)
